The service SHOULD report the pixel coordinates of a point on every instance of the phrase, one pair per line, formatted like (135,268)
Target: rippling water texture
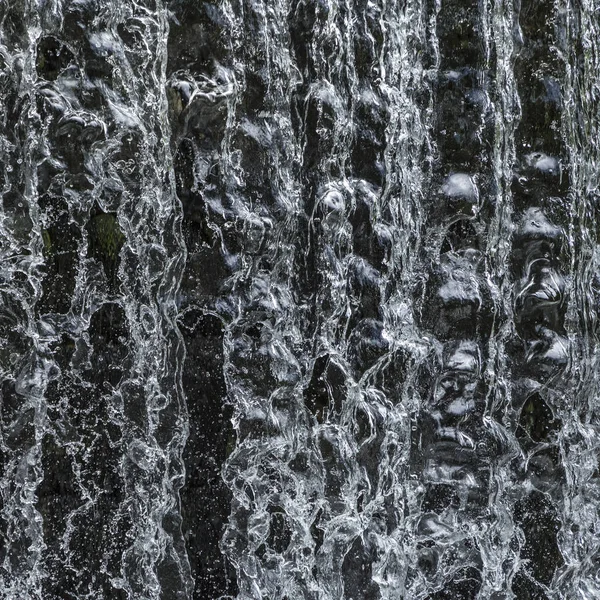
(299,299)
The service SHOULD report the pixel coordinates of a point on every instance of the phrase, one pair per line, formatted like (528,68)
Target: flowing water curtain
(202,89)
(230,84)
(578,538)
(299,490)
(105,220)
(266,532)
(544,337)
(26,366)
(405,67)
(452,452)
(311,354)
(502,35)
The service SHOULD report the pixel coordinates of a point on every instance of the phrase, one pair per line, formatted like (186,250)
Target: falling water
(299,299)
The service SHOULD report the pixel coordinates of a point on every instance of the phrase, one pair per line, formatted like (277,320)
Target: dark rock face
(299,299)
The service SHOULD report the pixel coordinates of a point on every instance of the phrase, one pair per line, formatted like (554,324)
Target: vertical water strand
(267,537)
(452,450)
(25,372)
(388,150)
(579,540)
(544,339)
(76,455)
(406,67)
(502,37)
(332,280)
(202,91)
(113,261)
(152,269)
(408,39)
(360,224)
(235,159)
(156,564)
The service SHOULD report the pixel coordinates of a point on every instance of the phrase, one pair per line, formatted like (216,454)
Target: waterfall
(299,299)
(94,417)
